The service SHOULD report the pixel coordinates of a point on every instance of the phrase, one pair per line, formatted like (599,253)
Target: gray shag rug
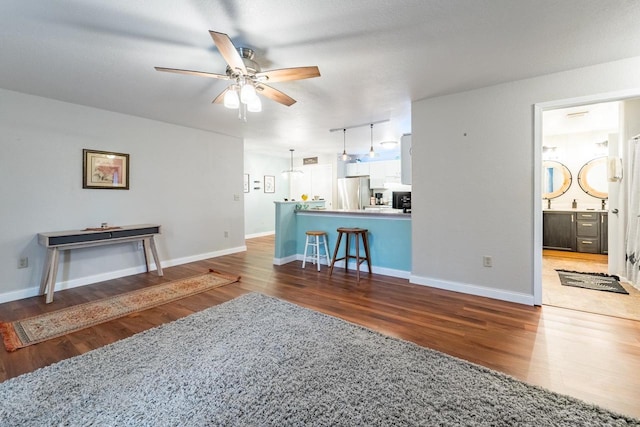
(260,361)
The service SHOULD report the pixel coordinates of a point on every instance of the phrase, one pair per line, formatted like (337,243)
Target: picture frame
(105,170)
(269,184)
(246,183)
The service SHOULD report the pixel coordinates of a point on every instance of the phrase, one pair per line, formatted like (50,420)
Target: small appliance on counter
(378,198)
(402,200)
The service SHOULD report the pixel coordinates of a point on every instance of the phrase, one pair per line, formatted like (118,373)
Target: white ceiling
(375,57)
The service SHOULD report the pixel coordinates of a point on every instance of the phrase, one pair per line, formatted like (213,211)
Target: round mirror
(593,178)
(556,179)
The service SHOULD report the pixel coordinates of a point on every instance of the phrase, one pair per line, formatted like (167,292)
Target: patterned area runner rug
(595,281)
(32,330)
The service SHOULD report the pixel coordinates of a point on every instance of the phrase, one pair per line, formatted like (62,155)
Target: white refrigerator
(353,193)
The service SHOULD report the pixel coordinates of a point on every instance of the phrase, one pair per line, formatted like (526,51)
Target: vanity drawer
(588,229)
(587,216)
(591,246)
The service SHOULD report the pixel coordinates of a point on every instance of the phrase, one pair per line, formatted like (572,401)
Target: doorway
(576,201)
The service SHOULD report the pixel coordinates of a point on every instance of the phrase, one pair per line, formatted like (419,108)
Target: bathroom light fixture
(371,152)
(601,148)
(291,171)
(549,153)
(345,156)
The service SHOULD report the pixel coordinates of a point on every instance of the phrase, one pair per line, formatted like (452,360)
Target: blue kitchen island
(389,234)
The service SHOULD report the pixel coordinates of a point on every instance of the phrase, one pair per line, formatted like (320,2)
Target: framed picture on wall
(246,182)
(269,184)
(105,170)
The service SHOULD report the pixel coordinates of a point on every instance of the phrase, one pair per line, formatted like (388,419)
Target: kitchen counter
(389,235)
(362,213)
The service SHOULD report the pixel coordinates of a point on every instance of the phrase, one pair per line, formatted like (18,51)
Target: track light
(345,156)
(371,152)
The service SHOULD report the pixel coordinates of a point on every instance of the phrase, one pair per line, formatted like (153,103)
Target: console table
(66,240)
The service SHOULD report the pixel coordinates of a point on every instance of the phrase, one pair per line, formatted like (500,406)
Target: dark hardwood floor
(592,357)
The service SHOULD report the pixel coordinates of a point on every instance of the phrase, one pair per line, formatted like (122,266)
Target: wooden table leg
(46,268)
(156,258)
(147,258)
(53,273)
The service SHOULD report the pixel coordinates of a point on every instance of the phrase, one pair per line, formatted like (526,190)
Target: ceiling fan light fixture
(255,105)
(231,100)
(247,93)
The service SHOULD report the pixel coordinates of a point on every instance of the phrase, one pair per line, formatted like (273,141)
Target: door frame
(538,109)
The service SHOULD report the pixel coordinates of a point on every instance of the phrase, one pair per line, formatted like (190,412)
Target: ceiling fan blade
(193,73)
(275,94)
(228,51)
(220,98)
(286,74)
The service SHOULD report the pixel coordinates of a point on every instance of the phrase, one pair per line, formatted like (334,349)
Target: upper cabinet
(357,169)
(405,158)
(384,172)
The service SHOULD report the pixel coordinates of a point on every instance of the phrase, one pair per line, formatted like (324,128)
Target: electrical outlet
(226,234)
(23,262)
(487,261)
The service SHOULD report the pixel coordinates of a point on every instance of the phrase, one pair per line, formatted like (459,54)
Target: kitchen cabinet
(559,231)
(357,169)
(316,180)
(577,231)
(384,172)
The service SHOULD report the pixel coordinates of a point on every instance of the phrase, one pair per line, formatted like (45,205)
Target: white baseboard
(87,280)
(285,260)
(264,233)
(352,265)
(476,290)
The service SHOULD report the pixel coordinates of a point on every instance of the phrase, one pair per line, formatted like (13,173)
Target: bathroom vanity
(575,230)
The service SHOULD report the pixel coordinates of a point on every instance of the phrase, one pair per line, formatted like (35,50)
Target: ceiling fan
(247,77)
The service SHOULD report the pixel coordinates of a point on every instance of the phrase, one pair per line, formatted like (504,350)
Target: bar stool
(314,240)
(357,232)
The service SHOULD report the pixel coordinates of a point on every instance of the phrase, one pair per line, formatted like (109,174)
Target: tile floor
(607,303)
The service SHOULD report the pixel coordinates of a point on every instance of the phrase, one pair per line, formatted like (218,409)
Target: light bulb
(255,105)
(231,99)
(371,152)
(247,93)
(345,156)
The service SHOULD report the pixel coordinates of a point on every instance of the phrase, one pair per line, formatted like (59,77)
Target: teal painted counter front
(389,236)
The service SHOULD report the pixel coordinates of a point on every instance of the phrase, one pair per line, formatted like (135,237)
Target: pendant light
(371,152)
(345,156)
(291,171)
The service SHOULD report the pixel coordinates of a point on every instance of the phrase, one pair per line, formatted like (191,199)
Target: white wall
(183,179)
(259,209)
(473,188)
